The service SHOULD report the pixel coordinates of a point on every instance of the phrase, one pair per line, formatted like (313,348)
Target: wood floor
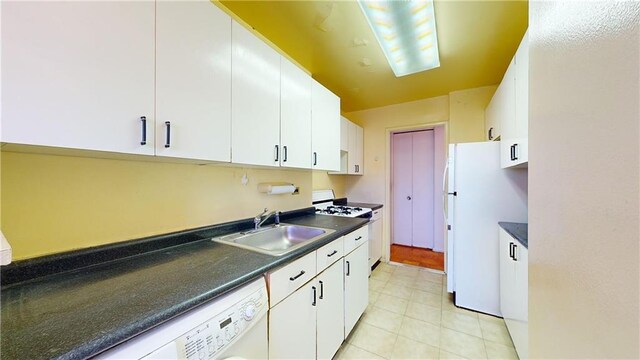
(417,256)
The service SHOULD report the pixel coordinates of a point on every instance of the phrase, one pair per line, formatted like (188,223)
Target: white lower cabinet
(514,290)
(356,285)
(292,331)
(313,321)
(330,313)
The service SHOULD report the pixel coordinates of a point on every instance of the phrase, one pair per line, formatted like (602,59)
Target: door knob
(408,197)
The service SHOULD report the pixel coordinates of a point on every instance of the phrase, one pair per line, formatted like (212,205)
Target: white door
(292,325)
(325,128)
(295,116)
(255,100)
(79,74)
(402,189)
(356,285)
(193,80)
(330,315)
(423,189)
(413,182)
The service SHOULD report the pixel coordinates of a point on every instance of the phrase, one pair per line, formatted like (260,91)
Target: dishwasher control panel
(205,332)
(221,331)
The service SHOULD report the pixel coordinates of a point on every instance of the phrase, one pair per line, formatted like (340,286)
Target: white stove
(323,202)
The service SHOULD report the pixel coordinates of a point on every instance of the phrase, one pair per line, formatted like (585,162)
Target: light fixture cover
(406,31)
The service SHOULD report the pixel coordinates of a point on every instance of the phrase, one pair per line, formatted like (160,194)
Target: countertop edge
(510,228)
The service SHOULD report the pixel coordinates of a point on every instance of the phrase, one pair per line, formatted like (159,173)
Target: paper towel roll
(276,189)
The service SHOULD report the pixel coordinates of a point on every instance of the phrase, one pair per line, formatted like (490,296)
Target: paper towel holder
(277,188)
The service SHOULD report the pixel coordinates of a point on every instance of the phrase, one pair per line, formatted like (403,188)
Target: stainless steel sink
(275,240)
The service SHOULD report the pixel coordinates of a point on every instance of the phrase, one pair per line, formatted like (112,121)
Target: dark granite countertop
(344,201)
(518,231)
(82,309)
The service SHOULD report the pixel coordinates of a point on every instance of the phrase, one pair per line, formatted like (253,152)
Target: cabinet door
(353,145)
(295,116)
(330,316)
(193,80)
(356,286)
(491,117)
(79,74)
(359,150)
(522,102)
(344,134)
(518,327)
(292,325)
(521,281)
(255,100)
(507,276)
(325,127)
(506,117)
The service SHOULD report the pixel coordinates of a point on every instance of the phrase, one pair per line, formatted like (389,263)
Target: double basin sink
(275,240)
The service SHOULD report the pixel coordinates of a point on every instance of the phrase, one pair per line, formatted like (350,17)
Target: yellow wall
(322,181)
(58,203)
(466,114)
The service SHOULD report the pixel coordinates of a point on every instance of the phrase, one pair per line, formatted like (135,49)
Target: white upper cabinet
(351,148)
(492,116)
(325,125)
(79,74)
(344,133)
(507,113)
(521,148)
(255,100)
(356,142)
(295,116)
(193,80)
(514,112)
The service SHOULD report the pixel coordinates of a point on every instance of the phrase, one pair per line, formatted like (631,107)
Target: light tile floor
(411,316)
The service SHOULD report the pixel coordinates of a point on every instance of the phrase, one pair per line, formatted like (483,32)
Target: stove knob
(249,312)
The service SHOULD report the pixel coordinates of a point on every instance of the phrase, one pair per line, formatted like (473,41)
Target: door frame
(387,219)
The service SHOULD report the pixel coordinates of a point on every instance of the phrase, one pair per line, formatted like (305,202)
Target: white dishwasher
(232,326)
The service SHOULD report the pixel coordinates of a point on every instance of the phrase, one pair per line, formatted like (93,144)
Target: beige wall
(462,114)
(461,111)
(57,203)
(584,180)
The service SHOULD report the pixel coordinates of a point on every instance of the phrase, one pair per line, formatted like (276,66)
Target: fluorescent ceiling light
(406,31)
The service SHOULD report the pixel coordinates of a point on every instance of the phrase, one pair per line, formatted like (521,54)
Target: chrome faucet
(258,220)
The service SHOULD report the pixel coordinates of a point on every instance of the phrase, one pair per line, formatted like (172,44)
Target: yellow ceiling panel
(333,41)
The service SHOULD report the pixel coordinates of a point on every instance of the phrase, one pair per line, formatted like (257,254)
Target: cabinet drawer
(329,254)
(355,239)
(290,277)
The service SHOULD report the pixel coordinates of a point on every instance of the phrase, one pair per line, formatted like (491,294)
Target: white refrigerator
(480,193)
